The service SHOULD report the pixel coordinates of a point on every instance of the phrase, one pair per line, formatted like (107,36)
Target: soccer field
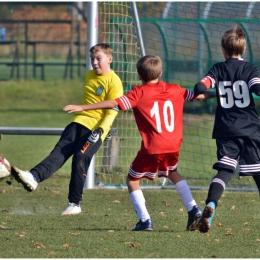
(32,227)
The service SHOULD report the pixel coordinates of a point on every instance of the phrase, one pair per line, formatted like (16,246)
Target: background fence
(186,35)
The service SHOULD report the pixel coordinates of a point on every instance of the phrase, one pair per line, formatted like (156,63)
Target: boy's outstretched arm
(199,88)
(207,95)
(202,86)
(100,105)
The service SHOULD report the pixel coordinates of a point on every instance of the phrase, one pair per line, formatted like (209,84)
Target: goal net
(186,35)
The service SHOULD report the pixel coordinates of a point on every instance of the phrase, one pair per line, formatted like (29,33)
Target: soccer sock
(184,191)
(138,202)
(218,185)
(216,189)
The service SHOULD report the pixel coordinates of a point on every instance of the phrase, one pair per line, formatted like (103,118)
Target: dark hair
(234,41)
(104,47)
(149,67)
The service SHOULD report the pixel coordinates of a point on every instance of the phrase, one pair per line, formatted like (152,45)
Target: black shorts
(242,150)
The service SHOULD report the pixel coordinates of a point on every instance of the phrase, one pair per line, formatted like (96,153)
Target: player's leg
(138,201)
(80,165)
(215,192)
(228,150)
(183,189)
(142,165)
(250,159)
(257,182)
(45,169)
(168,165)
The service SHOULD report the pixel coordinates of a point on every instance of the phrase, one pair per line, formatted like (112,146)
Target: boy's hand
(73,108)
(96,134)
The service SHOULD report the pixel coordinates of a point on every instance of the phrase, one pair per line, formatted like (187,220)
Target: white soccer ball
(5,167)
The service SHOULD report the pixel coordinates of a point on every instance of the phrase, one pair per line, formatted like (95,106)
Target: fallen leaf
(219,225)
(166,204)
(74,233)
(116,201)
(39,245)
(181,210)
(245,223)
(166,226)
(230,233)
(233,207)
(54,191)
(113,253)
(213,256)
(163,214)
(51,253)
(132,245)
(3,227)
(66,245)
(111,231)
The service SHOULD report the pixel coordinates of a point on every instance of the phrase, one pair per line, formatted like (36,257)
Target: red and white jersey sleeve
(158,110)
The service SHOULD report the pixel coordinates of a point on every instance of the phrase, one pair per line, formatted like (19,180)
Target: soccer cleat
(72,209)
(144,226)
(25,178)
(205,221)
(193,217)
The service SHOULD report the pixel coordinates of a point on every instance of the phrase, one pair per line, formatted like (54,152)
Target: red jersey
(158,111)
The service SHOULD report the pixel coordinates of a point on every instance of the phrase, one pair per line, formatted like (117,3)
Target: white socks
(184,191)
(138,202)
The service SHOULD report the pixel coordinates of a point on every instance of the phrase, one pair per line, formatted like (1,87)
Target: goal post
(92,39)
(186,35)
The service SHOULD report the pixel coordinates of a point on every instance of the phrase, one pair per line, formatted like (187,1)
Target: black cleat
(144,226)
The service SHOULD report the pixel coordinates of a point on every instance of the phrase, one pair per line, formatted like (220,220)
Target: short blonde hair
(149,67)
(104,47)
(234,41)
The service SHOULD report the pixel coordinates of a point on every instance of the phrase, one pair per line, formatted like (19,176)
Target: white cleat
(72,209)
(25,178)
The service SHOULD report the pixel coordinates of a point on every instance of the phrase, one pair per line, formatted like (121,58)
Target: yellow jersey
(99,88)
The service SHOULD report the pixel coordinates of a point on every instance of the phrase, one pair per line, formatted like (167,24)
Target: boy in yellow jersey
(86,127)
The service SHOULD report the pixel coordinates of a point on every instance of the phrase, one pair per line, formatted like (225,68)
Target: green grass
(31,225)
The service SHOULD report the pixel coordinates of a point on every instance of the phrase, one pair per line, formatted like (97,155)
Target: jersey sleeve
(130,99)
(115,91)
(188,94)
(254,81)
(204,84)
